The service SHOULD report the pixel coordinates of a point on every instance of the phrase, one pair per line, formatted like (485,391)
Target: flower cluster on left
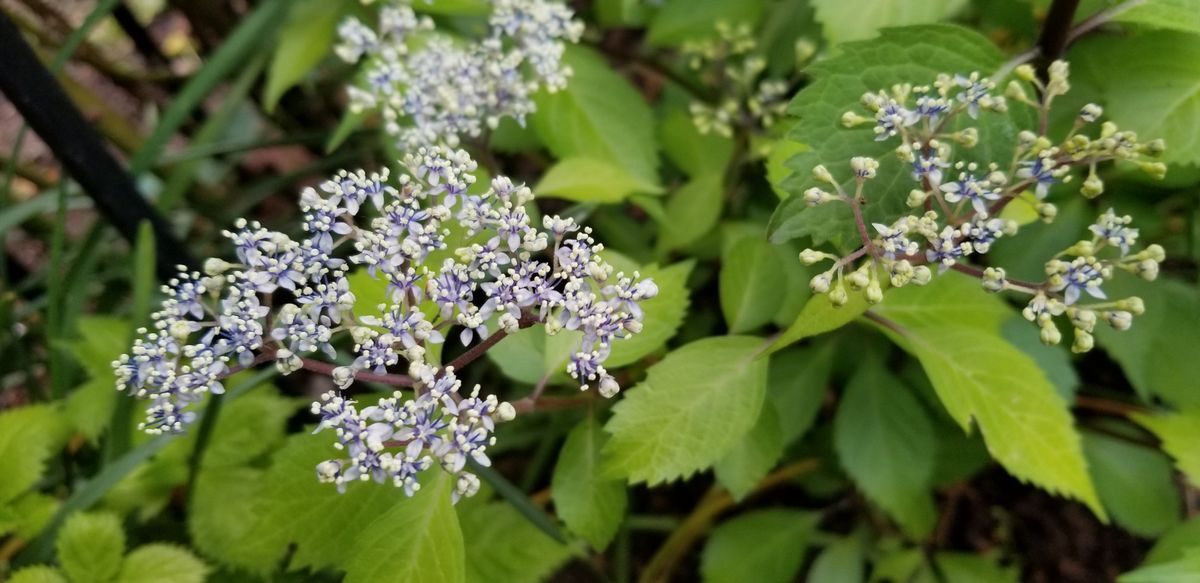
(284,299)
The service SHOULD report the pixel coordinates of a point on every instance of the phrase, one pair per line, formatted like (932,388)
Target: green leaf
(967,568)
(28,437)
(693,408)
(90,547)
(1179,432)
(691,211)
(454,7)
(798,380)
(765,546)
(1183,570)
(1157,354)
(819,316)
(599,115)
(102,340)
(250,427)
(683,20)
(350,123)
(694,153)
(1179,15)
(219,518)
(752,284)
(38,574)
(1135,484)
(915,54)
(885,441)
(847,20)
(1148,83)
(29,514)
(1175,543)
(587,179)
(503,547)
(953,328)
(592,505)
(840,562)
(305,40)
(748,463)
(162,563)
(417,540)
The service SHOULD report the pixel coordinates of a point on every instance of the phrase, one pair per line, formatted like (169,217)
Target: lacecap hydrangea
(959,203)
(285,299)
(433,88)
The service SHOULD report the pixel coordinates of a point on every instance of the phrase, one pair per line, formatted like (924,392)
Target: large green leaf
(1175,543)
(1179,432)
(797,383)
(691,211)
(1182,570)
(885,441)
(599,115)
(743,467)
(1149,83)
(28,436)
(587,179)
(505,547)
(1135,484)
(304,41)
(1181,15)
(90,547)
(915,54)
(953,328)
(592,505)
(162,563)
(692,409)
(683,20)
(847,20)
(695,153)
(417,540)
(752,283)
(765,546)
(38,574)
(1158,353)
(102,340)
(819,315)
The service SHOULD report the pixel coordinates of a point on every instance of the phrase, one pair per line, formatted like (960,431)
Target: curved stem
(715,502)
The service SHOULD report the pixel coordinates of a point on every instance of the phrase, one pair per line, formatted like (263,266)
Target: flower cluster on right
(960,202)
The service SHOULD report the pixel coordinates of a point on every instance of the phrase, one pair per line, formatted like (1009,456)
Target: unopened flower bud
(1083,342)
(916,198)
(811,256)
(505,411)
(1050,334)
(1133,304)
(820,283)
(1119,319)
(922,274)
(838,296)
(609,387)
(343,377)
(820,172)
(214,266)
(874,292)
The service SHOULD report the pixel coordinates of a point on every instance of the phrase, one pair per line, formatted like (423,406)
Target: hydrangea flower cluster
(433,88)
(960,202)
(730,62)
(285,298)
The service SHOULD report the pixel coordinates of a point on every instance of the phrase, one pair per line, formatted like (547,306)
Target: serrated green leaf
(503,547)
(102,340)
(586,179)
(693,408)
(884,440)
(304,41)
(1148,83)
(683,20)
(90,547)
(777,169)
(162,563)
(748,463)
(694,153)
(915,54)
(752,284)
(38,574)
(1157,354)
(765,546)
(599,115)
(1179,432)
(967,568)
(691,211)
(28,436)
(847,20)
(591,505)
(1135,484)
(1182,570)
(417,540)
(953,328)
(1181,15)
(818,316)
(29,514)
(219,517)
(249,427)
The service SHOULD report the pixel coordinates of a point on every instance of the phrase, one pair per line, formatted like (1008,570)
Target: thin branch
(1100,18)
(885,322)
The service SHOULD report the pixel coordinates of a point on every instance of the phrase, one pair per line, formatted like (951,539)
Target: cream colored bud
(811,256)
(838,296)
(505,411)
(820,283)
(609,387)
(922,274)
(1083,342)
(1050,334)
(874,292)
(214,266)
